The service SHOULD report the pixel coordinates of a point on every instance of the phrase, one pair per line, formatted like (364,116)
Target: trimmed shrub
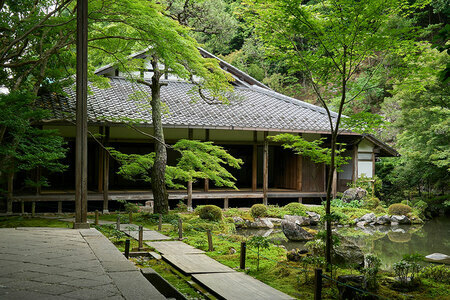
(371,202)
(399,209)
(210,212)
(258,210)
(295,208)
(380,209)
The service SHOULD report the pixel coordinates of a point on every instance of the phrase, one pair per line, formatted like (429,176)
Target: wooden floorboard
(174,248)
(148,235)
(197,263)
(238,286)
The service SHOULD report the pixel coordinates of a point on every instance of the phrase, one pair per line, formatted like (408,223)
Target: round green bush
(295,208)
(210,212)
(380,209)
(371,202)
(258,210)
(399,209)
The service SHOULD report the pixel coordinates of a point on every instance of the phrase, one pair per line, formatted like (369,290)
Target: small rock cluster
(371,219)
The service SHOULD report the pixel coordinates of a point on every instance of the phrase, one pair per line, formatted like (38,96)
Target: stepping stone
(174,248)
(438,258)
(194,264)
(238,286)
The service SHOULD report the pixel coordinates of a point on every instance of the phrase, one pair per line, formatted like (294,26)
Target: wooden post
(334,184)
(130,217)
(33,208)
(100,161)
(118,223)
(299,172)
(160,222)
(210,242)
(59,207)
(22,207)
(355,164)
(317,284)
(127,248)
(96,217)
(300,200)
(141,238)
(243,250)
(180,229)
(106,173)
(206,185)
(255,162)
(265,168)
(81,156)
(9,197)
(189,195)
(225,203)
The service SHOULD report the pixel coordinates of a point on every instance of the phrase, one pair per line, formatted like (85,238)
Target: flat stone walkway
(52,263)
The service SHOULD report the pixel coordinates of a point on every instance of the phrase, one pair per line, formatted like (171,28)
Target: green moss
(26,221)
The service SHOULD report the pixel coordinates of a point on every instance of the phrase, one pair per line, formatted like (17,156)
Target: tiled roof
(254,108)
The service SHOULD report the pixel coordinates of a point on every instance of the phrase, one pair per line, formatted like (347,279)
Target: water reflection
(389,243)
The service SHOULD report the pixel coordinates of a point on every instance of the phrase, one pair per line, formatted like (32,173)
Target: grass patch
(25,221)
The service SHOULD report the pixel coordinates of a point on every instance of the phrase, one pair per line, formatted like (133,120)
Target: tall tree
(329,41)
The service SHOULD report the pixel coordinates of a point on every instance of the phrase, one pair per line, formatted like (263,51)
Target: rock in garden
(300,220)
(400,219)
(295,232)
(354,194)
(368,218)
(275,221)
(148,208)
(314,218)
(383,220)
(238,222)
(261,223)
(348,253)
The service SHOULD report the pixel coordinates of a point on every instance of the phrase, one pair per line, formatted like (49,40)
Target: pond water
(389,243)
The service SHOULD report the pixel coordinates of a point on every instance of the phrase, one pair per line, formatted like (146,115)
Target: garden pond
(389,243)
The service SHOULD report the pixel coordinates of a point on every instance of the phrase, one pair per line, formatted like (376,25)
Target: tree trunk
(160,196)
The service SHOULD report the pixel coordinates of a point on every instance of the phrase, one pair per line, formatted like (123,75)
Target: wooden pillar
(81,117)
(255,162)
(9,196)
(189,195)
(334,184)
(265,168)
(300,199)
(190,134)
(105,172)
(206,184)
(355,164)
(59,207)
(225,203)
(22,207)
(299,172)
(101,153)
(33,208)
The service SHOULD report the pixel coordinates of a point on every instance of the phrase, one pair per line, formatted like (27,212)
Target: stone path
(221,280)
(148,235)
(51,263)
(90,221)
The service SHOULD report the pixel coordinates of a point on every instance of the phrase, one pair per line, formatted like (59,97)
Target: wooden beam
(106,173)
(265,168)
(255,162)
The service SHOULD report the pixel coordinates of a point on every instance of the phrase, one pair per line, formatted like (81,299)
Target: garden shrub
(439,273)
(421,205)
(371,202)
(181,207)
(371,269)
(399,209)
(258,210)
(409,265)
(295,208)
(379,209)
(129,207)
(210,212)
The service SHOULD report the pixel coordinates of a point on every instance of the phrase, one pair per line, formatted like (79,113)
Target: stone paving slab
(148,235)
(90,221)
(47,263)
(174,248)
(238,286)
(199,263)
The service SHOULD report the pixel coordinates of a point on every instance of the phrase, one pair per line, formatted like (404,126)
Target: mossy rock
(399,209)
(210,212)
(258,211)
